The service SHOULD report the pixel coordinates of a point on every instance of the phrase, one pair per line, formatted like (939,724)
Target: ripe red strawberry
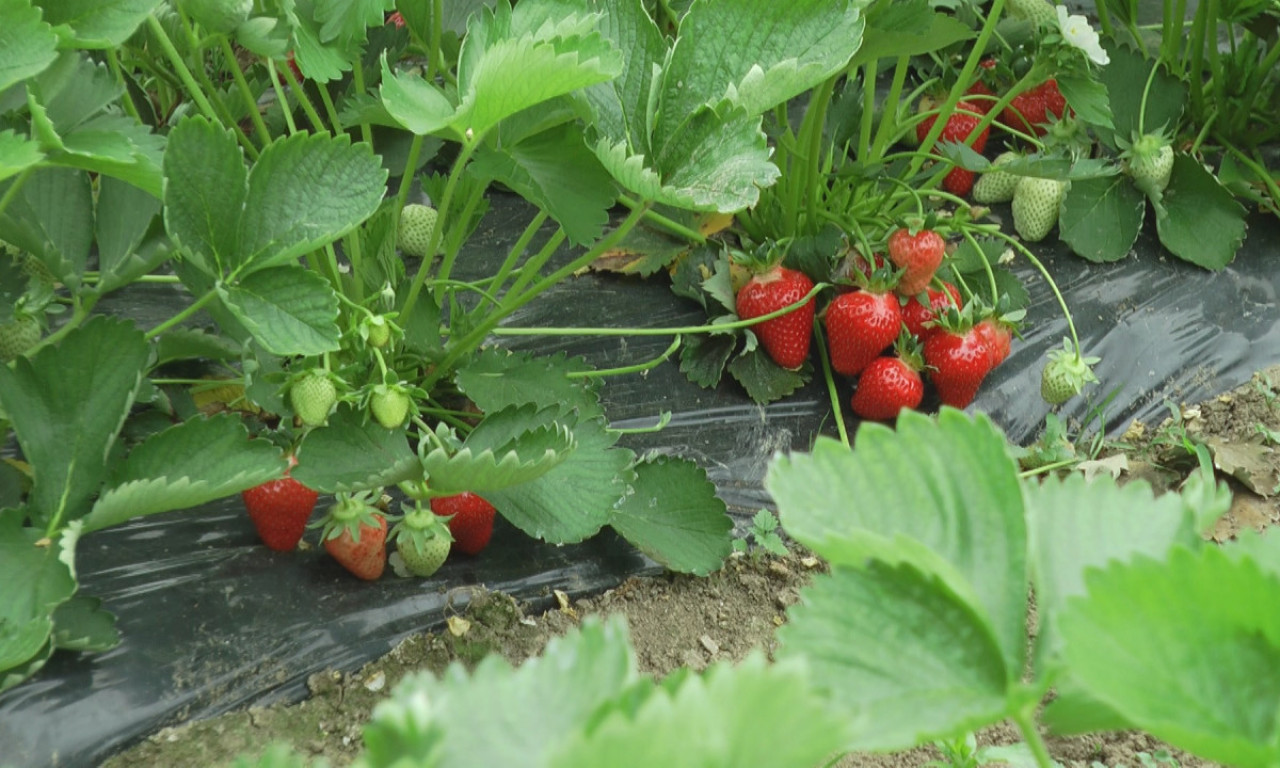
(919,254)
(1030,110)
(958,181)
(958,361)
(470,520)
(355,534)
(890,384)
(860,325)
(786,338)
(915,314)
(280,510)
(998,337)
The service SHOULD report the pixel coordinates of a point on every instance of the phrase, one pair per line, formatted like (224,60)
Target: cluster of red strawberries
(355,531)
(881,333)
(1032,112)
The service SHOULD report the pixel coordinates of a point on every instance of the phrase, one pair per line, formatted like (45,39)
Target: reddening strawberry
(890,384)
(915,315)
(470,520)
(919,254)
(1033,109)
(958,361)
(998,337)
(959,125)
(280,510)
(860,325)
(786,338)
(423,541)
(355,534)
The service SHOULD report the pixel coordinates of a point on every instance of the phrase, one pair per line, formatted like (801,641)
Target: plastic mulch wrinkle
(212,621)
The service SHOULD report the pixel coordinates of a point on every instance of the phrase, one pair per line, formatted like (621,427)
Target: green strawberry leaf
(508,64)
(508,447)
(622,106)
(900,653)
(39,581)
(1125,79)
(17,153)
(70,92)
(1101,218)
(51,217)
(67,405)
(940,494)
(907,29)
(1087,96)
(27,43)
(80,624)
(99,23)
(555,171)
(497,715)
(348,19)
(572,501)
(752,715)
(319,58)
(1138,642)
(758,54)
(114,145)
(184,466)
(703,357)
(304,192)
(1198,219)
(205,188)
(415,103)
(765,380)
(498,378)
(353,453)
(124,218)
(674,517)
(1078,525)
(289,310)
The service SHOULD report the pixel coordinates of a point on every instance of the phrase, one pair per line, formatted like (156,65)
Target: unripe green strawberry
(377,331)
(1038,12)
(1065,374)
(417,222)
(996,186)
(1035,206)
(1149,162)
(423,541)
(389,405)
(312,397)
(19,334)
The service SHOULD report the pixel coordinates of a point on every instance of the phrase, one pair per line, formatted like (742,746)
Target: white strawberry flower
(1078,33)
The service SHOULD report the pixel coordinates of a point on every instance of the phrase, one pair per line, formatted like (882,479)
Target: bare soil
(685,621)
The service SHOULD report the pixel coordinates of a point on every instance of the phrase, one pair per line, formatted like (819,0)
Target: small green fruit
(313,396)
(996,186)
(1035,206)
(417,222)
(17,335)
(389,405)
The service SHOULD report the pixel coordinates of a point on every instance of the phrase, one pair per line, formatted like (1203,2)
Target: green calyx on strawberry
(785,338)
(1066,374)
(996,186)
(422,539)
(313,395)
(918,251)
(18,334)
(1036,203)
(417,223)
(390,404)
(890,384)
(1148,160)
(280,510)
(919,318)
(354,533)
(470,520)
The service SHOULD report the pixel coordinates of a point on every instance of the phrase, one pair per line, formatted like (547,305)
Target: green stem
(529,271)
(1053,286)
(92,276)
(406,177)
(637,368)
(517,250)
(12,192)
(1026,722)
(304,100)
(453,246)
(187,312)
(274,75)
(329,109)
(662,222)
(79,314)
(663,420)
(889,116)
(202,75)
(677,331)
(242,85)
(435,60)
(870,71)
(830,378)
(991,275)
(357,82)
(180,67)
(113,63)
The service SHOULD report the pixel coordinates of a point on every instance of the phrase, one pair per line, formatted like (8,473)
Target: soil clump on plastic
(687,621)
